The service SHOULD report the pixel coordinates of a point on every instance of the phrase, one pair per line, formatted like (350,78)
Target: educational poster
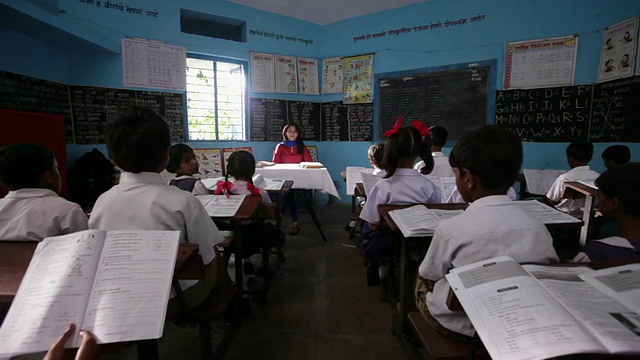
(286,74)
(210,162)
(618,52)
(262,73)
(308,76)
(539,63)
(226,152)
(358,79)
(153,64)
(313,151)
(332,75)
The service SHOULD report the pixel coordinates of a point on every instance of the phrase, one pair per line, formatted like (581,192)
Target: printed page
(354,177)
(223,206)
(621,283)
(53,293)
(546,214)
(369,181)
(273,184)
(540,181)
(420,221)
(446,185)
(212,183)
(515,316)
(589,183)
(205,199)
(131,290)
(608,320)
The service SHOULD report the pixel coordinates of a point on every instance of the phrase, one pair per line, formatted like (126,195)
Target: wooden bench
(440,346)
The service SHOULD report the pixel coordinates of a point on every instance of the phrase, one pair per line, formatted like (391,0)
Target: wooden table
(577,190)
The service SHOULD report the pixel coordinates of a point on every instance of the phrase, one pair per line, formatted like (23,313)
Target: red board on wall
(43,129)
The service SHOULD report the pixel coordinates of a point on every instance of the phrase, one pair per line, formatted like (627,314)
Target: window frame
(245,119)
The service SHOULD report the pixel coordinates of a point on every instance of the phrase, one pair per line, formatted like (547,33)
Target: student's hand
(427,283)
(88,349)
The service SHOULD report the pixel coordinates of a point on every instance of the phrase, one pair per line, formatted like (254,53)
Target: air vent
(193,22)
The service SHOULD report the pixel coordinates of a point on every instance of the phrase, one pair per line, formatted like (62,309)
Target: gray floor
(319,306)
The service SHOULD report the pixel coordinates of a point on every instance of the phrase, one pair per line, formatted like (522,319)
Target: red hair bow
(254,190)
(422,129)
(223,187)
(394,130)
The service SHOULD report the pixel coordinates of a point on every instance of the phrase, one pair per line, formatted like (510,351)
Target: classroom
(79,45)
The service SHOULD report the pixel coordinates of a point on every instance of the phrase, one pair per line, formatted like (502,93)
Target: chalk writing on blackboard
(557,114)
(616,111)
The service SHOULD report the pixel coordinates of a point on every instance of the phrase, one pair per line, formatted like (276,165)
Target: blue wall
(74,42)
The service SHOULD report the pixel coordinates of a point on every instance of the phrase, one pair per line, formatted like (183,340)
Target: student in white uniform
(401,185)
(579,153)
(441,167)
(32,210)
(242,166)
(138,142)
(486,162)
(183,163)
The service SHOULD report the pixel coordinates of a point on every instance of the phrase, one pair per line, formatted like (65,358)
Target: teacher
(291,151)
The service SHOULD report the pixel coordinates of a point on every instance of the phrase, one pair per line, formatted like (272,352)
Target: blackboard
(557,114)
(86,108)
(455,97)
(615,113)
(347,122)
(29,94)
(267,118)
(307,115)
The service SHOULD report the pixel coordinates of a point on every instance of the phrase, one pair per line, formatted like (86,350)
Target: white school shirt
(491,226)
(240,188)
(33,214)
(441,167)
(406,186)
(575,174)
(198,187)
(144,202)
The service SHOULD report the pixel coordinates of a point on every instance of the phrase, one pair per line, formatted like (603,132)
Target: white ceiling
(325,11)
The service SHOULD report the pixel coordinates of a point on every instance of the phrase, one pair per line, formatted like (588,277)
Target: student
(291,151)
(242,166)
(33,210)
(579,154)
(183,163)
(375,160)
(486,162)
(616,155)
(138,142)
(441,167)
(619,199)
(401,185)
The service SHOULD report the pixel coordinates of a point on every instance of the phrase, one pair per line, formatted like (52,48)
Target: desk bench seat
(437,345)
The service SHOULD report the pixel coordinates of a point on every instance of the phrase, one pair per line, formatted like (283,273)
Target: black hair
(406,143)
(241,164)
(493,154)
(375,154)
(623,183)
(22,164)
(438,135)
(137,140)
(619,154)
(176,154)
(299,142)
(580,150)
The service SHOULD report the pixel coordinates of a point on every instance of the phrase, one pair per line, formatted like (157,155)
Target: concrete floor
(319,306)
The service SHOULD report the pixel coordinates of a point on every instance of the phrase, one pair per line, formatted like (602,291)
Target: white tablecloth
(316,179)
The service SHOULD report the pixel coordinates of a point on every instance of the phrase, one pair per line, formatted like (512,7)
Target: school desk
(578,190)
(305,179)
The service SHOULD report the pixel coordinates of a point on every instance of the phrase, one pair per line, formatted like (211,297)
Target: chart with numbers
(152,64)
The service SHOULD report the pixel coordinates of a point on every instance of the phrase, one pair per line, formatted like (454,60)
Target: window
(216,95)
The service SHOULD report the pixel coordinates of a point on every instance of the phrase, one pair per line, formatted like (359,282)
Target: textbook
(542,311)
(114,283)
(221,205)
(418,220)
(540,181)
(369,181)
